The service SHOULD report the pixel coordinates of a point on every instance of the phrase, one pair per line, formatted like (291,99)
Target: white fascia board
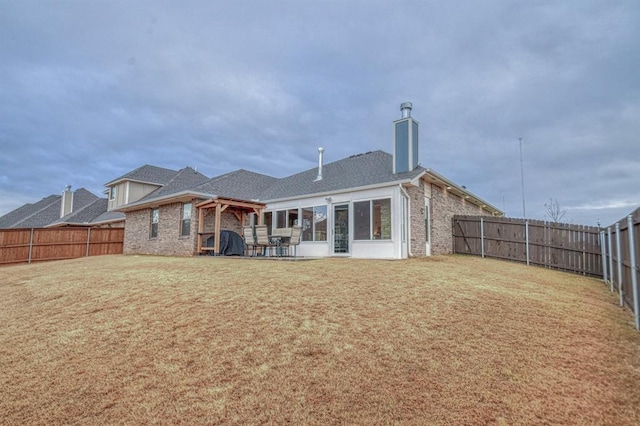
(341,191)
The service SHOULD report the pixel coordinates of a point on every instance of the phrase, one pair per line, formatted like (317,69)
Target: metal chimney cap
(67,188)
(406,109)
(320,149)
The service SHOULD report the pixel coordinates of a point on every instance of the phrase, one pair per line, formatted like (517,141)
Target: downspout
(406,195)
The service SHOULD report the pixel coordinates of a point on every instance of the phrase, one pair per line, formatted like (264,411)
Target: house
(371,205)
(72,208)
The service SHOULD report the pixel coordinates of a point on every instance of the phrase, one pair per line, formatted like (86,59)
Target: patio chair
(249,239)
(293,241)
(262,239)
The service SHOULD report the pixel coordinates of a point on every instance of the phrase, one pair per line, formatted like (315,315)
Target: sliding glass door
(341,229)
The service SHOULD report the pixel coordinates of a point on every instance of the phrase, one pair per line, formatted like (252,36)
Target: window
(113,192)
(286,218)
(185,223)
(372,220)
(314,223)
(268,220)
(155,216)
(281,219)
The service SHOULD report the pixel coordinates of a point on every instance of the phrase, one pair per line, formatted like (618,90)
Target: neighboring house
(372,205)
(72,208)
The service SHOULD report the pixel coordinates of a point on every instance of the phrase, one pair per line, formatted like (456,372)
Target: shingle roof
(371,168)
(148,174)
(109,216)
(88,214)
(241,184)
(31,211)
(182,180)
(46,211)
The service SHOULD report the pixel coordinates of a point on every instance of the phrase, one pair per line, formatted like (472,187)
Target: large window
(185,223)
(314,223)
(372,220)
(155,216)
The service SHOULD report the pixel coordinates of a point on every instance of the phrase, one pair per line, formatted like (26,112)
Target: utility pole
(524,212)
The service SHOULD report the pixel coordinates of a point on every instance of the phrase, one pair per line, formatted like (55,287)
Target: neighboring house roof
(147,174)
(46,212)
(37,212)
(94,213)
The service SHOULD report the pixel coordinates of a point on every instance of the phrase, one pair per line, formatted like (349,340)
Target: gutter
(406,195)
(465,193)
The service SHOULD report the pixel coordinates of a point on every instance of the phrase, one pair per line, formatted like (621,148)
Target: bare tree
(553,210)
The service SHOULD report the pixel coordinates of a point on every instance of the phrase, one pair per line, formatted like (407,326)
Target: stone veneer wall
(444,206)
(169,241)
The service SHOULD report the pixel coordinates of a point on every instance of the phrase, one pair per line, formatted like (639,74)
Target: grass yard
(446,340)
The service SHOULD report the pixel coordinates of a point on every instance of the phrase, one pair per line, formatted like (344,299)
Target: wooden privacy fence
(571,248)
(40,244)
(621,259)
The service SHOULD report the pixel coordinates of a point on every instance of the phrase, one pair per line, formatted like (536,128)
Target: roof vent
(320,151)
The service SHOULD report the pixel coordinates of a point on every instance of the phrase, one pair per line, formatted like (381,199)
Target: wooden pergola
(220,204)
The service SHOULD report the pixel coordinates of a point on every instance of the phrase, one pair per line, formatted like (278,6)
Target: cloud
(89,91)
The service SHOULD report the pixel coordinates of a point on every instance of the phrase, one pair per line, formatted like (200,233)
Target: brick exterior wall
(228,222)
(418,231)
(168,242)
(444,206)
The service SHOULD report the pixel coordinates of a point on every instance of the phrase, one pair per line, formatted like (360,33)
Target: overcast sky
(90,90)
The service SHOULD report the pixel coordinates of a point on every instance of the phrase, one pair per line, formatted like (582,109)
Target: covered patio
(216,206)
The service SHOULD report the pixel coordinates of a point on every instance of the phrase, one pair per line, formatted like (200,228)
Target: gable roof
(182,180)
(241,184)
(178,188)
(147,174)
(356,171)
(94,213)
(35,212)
(46,211)
(371,169)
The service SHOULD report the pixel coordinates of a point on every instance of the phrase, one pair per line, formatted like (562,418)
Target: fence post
(610,257)
(30,246)
(482,236)
(526,233)
(619,254)
(88,239)
(603,251)
(634,270)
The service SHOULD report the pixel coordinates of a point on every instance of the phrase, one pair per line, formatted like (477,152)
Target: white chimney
(320,151)
(66,204)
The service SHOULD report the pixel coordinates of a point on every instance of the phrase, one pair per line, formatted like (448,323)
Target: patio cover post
(216,245)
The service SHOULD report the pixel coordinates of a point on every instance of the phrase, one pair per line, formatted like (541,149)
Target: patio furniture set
(259,243)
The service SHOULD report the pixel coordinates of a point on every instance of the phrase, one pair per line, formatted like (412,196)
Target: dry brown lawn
(445,340)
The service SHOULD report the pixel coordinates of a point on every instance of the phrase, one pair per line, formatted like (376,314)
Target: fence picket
(57,243)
